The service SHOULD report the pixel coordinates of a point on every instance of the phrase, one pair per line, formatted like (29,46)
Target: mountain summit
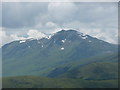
(39,57)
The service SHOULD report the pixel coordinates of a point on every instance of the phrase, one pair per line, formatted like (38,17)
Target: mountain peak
(68,30)
(70,34)
(71,31)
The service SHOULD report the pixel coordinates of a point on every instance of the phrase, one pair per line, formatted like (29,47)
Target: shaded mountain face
(39,57)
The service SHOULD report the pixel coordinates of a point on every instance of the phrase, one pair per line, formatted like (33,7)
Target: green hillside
(43,82)
(43,68)
(94,71)
(95,75)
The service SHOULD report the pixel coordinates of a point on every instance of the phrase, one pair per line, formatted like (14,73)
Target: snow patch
(62,48)
(42,46)
(82,35)
(63,40)
(22,41)
(49,36)
(28,46)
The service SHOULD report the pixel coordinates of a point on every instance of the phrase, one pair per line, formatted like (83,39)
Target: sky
(22,20)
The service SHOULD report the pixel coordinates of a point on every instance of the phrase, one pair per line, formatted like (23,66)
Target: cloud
(106,35)
(6,37)
(51,24)
(90,17)
(62,11)
(18,14)
(16,37)
(35,34)
(2,36)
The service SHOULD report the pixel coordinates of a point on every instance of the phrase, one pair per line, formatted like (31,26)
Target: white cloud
(6,38)
(16,37)
(35,34)
(106,35)
(51,24)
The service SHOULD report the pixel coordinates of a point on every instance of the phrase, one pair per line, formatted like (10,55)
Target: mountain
(66,59)
(68,49)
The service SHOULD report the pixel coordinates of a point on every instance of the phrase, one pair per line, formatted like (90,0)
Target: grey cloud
(16,15)
(86,17)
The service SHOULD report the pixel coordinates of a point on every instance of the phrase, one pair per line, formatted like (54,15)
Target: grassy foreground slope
(94,71)
(95,75)
(44,82)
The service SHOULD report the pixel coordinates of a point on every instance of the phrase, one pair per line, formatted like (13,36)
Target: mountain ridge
(38,57)
(48,36)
